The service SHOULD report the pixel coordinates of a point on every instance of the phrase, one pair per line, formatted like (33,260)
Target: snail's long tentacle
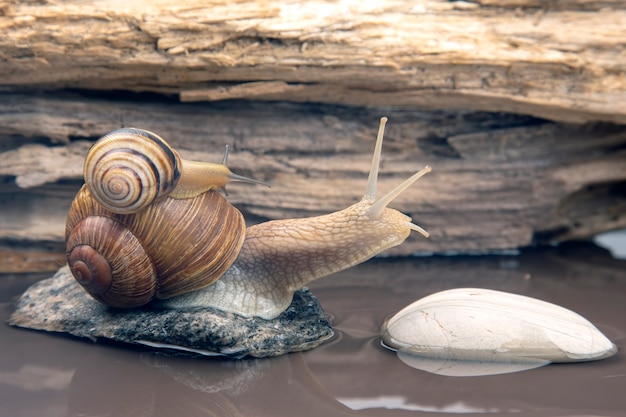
(381,204)
(377,208)
(372,180)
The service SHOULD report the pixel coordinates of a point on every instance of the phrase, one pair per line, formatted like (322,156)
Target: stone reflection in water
(456,367)
(33,377)
(164,385)
(112,383)
(234,377)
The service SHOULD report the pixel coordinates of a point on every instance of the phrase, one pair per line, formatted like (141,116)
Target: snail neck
(199,177)
(280,257)
(298,251)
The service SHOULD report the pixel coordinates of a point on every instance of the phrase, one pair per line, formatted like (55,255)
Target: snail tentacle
(376,209)
(372,179)
(372,182)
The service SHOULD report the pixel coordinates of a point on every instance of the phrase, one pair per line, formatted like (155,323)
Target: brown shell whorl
(128,169)
(90,269)
(110,263)
(194,242)
(190,243)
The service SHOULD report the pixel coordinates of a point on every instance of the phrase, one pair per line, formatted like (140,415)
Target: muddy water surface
(352,375)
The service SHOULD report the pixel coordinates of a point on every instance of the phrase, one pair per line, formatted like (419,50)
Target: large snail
(181,244)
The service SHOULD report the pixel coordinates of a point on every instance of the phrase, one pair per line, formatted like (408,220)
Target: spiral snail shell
(173,244)
(128,169)
(128,243)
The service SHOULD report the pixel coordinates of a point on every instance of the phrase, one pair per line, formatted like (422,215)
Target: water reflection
(454,367)
(578,276)
(31,377)
(111,383)
(400,403)
(156,384)
(352,375)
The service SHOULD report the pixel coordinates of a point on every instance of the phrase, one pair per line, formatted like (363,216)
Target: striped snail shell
(126,248)
(128,169)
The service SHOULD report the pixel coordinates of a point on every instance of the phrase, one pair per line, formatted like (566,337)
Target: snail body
(185,246)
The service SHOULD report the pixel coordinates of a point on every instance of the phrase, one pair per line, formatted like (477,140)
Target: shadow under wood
(588,211)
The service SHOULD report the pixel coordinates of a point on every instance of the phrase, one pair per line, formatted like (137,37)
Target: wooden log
(30,259)
(560,60)
(499,181)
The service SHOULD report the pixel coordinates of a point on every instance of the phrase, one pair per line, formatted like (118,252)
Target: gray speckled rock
(59,304)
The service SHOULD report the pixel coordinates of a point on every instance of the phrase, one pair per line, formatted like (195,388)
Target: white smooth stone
(474,324)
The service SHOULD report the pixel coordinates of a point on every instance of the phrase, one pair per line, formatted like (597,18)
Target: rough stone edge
(70,310)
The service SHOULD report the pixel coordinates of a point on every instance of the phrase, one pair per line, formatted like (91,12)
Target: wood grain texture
(499,181)
(519,106)
(30,259)
(560,60)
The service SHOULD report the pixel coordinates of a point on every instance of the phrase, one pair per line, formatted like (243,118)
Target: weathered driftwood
(561,60)
(498,182)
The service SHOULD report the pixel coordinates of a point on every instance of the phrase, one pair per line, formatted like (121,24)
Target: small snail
(182,245)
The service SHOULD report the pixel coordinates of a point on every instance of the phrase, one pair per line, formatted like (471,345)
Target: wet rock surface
(59,304)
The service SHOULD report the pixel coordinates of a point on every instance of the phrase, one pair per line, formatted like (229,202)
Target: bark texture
(519,107)
(560,60)
(498,182)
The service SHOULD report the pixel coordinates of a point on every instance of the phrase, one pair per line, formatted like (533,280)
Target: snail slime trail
(133,238)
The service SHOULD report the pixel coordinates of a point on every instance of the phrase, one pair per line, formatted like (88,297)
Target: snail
(182,245)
